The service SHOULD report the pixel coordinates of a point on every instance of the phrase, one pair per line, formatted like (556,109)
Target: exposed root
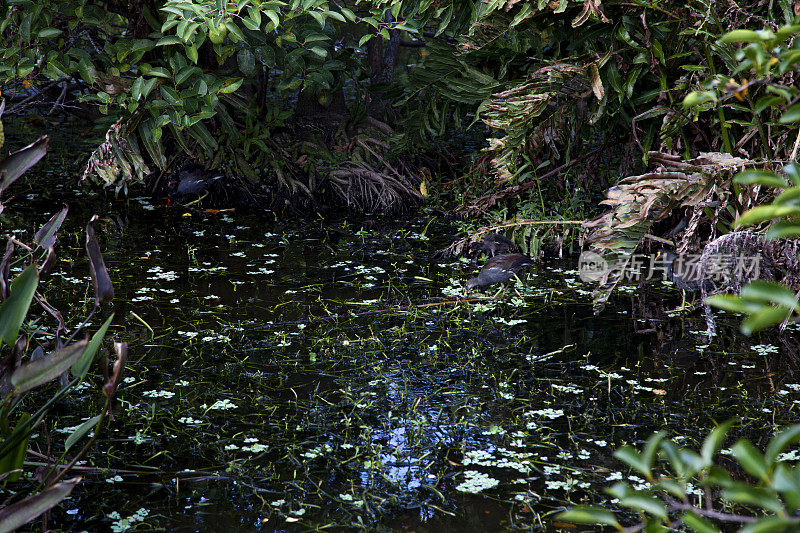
(365,189)
(731,261)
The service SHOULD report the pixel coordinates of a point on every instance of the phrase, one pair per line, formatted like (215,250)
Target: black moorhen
(192,179)
(688,277)
(493,243)
(498,269)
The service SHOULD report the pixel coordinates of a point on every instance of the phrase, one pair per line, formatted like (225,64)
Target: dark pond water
(260,395)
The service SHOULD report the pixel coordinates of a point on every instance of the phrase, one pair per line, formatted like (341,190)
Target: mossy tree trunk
(382,60)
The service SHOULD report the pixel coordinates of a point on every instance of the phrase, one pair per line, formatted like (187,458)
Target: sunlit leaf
(791,115)
(21,513)
(231,84)
(49,33)
(769,292)
(692,461)
(651,448)
(751,459)
(674,458)
(786,479)
(760,177)
(766,317)
(698,524)
(698,97)
(782,230)
(235,31)
(633,458)
(745,494)
(741,36)
(82,365)
(720,476)
(643,502)
(46,369)
(713,442)
(790,195)
(80,431)
(792,172)
(273,16)
(765,212)
(588,515)
(779,442)
(14,309)
(671,486)
(733,303)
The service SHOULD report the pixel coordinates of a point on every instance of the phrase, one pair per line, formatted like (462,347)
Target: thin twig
(791,314)
(796,146)
(38,92)
(379,158)
(718,515)
(97,469)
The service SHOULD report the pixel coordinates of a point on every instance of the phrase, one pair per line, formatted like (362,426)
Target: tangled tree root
(362,188)
(773,260)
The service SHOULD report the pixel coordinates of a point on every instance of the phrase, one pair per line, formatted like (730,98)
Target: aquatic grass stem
(144,322)
(19,431)
(80,326)
(80,454)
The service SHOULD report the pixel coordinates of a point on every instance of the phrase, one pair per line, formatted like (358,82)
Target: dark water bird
(687,275)
(498,269)
(192,179)
(492,244)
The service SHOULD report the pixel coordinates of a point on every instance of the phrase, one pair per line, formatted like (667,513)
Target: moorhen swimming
(493,243)
(192,179)
(498,269)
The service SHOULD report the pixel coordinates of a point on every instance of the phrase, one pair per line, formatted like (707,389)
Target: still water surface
(292,377)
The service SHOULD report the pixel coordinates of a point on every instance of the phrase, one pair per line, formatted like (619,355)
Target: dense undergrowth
(569,96)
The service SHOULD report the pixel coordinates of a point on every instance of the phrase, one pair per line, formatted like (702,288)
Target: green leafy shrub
(700,493)
(756,92)
(767,303)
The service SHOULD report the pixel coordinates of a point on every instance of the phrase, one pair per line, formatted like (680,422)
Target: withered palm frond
(535,112)
(639,201)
